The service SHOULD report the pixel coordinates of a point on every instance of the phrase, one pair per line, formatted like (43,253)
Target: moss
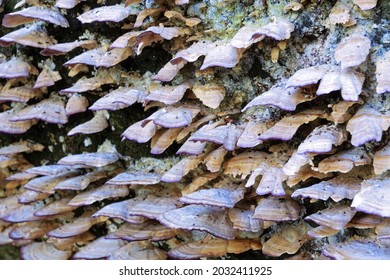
(9,252)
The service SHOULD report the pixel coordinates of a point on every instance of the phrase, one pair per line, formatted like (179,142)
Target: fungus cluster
(266,137)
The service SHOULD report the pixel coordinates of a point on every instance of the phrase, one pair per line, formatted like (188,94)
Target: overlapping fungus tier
(266,135)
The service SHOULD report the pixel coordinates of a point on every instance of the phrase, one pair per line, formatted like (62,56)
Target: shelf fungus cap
(187,130)
(87,84)
(214,159)
(81,182)
(76,227)
(33,13)
(20,94)
(169,71)
(43,251)
(51,110)
(149,230)
(249,137)
(248,35)
(47,184)
(352,50)
(99,248)
(100,57)
(277,209)
(29,196)
(227,135)
(244,163)
(288,126)
(50,169)
(383,74)
(344,161)
(330,81)
(32,230)
(155,34)
(322,232)
(120,210)
(340,111)
(34,35)
(357,250)
(222,197)
(140,132)
(272,182)
(364,221)
(382,229)
(366,125)
(322,139)
(167,94)
(14,68)
(340,14)
(243,220)
(289,240)
(173,117)
(337,188)
(180,169)
(76,104)
(67,4)
(138,250)
(211,95)
(163,139)
(308,76)
(382,159)
(351,84)
(151,207)
(365,4)
(96,124)
(134,178)
(374,197)
(21,147)
(47,78)
(278,96)
(212,248)
(336,217)
(212,219)
(98,194)
(192,53)
(225,56)
(56,207)
(114,13)
(63,48)
(23,213)
(90,159)
(8,205)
